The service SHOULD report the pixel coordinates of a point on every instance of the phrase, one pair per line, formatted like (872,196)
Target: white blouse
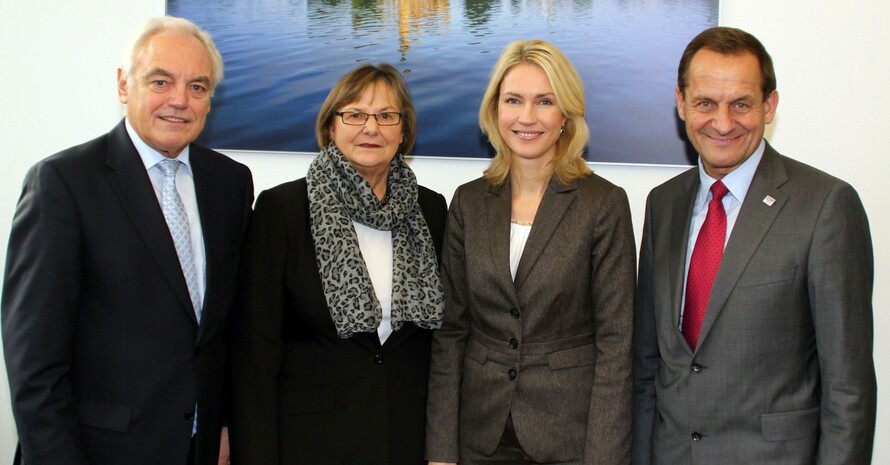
(518,237)
(376,248)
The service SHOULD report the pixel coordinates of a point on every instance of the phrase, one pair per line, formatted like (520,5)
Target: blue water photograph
(283,56)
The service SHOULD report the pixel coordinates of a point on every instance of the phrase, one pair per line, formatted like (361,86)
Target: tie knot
(719,190)
(169,166)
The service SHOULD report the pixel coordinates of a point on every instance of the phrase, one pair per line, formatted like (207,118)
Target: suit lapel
(132,186)
(498,207)
(208,190)
(754,221)
(557,199)
(680,218)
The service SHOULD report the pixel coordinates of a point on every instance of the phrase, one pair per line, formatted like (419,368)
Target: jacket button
(513,343)
(696,368)
(189,415)
(696,436)
(511,374)
(378,360)
(514,313)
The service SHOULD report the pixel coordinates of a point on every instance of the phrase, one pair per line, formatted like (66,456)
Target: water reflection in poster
(282,57)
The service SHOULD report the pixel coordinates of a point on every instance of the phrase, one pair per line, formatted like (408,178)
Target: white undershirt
(518,237)
(376,248)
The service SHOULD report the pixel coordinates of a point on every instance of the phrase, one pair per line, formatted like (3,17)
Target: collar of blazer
(556,201)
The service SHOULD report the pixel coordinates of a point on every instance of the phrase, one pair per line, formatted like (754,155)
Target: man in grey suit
(759,350)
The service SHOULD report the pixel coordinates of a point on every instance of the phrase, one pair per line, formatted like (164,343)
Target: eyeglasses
(356,118)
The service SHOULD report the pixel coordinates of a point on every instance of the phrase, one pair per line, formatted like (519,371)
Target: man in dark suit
(754,319)
(121,271)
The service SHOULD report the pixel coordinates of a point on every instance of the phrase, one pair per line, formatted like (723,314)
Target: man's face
(724,109)
(168,92)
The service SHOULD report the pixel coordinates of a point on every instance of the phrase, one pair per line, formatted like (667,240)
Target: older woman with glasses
(341,289)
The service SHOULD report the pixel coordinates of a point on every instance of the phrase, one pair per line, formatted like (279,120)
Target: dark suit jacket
(553,347)
(783,373)
(105,357)
(302,395)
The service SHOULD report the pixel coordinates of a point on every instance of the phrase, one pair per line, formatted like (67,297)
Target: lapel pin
(769,201)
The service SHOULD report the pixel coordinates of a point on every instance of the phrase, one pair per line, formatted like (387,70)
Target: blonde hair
(350,88)
(568,164)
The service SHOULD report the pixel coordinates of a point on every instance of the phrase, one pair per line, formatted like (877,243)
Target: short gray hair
(161,24)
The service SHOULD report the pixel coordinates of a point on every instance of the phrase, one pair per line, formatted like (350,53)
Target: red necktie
(703,266)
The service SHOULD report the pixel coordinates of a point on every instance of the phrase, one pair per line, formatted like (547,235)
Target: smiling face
(167,92)
(370,147)
(529,117)
(724,109)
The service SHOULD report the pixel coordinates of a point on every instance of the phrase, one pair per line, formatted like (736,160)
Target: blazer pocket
(788,426)
(570,358)
(476,352)
(775,275)
(301,401)
(105,415)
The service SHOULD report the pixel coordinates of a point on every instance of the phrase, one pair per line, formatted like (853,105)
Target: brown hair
(350,88)
(729,41)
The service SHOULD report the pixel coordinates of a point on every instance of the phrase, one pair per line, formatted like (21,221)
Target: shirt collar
(150,157)
(737,181)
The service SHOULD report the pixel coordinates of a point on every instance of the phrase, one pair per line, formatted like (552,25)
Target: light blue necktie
(178,222)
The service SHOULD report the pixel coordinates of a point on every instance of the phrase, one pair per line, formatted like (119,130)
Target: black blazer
(106,360)
(302,395)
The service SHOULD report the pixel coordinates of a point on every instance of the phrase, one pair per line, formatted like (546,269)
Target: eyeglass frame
(368,117)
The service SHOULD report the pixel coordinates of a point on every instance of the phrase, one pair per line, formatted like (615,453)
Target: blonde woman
(533,360)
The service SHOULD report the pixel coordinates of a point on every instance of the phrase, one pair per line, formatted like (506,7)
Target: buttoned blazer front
(301,394)
(105,357)
(783,372)
(552,348)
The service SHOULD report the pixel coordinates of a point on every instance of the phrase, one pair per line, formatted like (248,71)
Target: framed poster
(283,56)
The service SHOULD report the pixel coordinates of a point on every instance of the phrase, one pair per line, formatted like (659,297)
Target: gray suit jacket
(783,373)
(552,348)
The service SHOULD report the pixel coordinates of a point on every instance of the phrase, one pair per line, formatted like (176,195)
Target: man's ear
(769,106)
(122,86)
(680,104)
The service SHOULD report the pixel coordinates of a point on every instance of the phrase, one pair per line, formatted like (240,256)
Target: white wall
(58,63)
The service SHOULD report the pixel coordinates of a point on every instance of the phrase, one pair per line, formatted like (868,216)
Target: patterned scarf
(338,194)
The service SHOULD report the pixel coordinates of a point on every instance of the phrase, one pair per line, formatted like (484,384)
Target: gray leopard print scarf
(338,194)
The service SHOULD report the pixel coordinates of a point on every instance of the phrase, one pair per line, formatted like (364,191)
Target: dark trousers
(191,459)
(509,452)
(17,459)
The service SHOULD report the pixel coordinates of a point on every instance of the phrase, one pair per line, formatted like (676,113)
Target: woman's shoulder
(288,189)
(425,193)
(431,202)
(596,185)
(284,196)
(477,186)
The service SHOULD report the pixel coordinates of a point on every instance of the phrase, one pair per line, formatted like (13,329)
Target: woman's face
(529,117)
(370,147)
